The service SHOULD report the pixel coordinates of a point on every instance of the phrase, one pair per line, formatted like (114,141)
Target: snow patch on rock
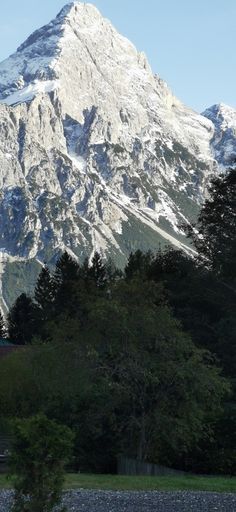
(28,93)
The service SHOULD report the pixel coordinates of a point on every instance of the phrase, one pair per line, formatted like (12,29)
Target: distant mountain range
(95,151)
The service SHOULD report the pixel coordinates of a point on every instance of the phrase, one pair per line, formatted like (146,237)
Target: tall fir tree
(44,290)
(138,264)
(22,320)
(67,269)
(97,271)
(44,296)
(214,233)
(65,281)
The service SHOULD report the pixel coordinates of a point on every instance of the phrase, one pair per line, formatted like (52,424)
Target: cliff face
(95,151)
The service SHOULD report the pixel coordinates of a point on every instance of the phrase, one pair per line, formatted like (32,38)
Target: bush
(40,450)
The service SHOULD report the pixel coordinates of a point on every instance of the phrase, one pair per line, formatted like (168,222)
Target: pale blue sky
(189,43)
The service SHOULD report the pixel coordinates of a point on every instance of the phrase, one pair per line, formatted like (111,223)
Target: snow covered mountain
(223,143)
(95,151)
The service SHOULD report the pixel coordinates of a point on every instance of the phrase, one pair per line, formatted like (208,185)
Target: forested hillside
(140,362)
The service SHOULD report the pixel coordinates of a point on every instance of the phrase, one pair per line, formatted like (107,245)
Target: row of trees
(28,314)
(140,362)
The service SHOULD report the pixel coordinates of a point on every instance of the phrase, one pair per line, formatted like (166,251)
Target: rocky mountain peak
(223,118)
(78,11)
(222,115)
(80,55)
(96,153)
(36,60)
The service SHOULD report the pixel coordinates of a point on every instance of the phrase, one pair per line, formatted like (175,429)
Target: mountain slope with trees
(140,362)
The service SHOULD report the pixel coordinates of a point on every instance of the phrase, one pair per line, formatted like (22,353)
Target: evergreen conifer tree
(214,233)
(44,296)
(138,264)
(97,271)
(44,289)
(67,269)
(65,281)
(85,269)
(22,320)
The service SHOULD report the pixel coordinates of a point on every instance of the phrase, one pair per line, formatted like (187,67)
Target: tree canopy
(117,365)
(214,233)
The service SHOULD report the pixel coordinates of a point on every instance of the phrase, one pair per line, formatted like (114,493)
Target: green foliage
(65,278)
(126,378)
(131,362)
(97,271)
(39,451)
(138,264)
(66,270)
(144,483)
(44,290)
(21,320)
(44,296)
(214,234)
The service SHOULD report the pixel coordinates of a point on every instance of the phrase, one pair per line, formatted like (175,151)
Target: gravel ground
(111,501)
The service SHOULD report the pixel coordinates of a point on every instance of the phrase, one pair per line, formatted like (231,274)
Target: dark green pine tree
(170,264)
(44,290)
(97,271)
(65,280)
(22,320)
(44,296)
(138,264)
(67,269)
(3,331)
(214,234)
(84,272)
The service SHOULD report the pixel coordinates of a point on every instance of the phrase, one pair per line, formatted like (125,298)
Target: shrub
(40,450)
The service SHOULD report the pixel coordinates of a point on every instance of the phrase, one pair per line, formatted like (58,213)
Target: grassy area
(144,483)
(137,483)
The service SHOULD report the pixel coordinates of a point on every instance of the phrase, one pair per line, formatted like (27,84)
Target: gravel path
(109,501)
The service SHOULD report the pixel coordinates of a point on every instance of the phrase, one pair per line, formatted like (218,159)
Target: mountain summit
(76,54)
(96,153)
(37,60)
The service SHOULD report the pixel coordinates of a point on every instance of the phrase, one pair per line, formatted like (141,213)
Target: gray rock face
(223,141)
(95,151)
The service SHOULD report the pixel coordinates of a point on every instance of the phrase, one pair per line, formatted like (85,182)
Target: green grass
(144,483)
(138,483)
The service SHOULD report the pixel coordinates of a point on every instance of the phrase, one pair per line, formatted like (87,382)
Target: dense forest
(139,362)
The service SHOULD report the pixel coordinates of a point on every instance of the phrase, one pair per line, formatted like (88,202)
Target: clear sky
(189,43)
